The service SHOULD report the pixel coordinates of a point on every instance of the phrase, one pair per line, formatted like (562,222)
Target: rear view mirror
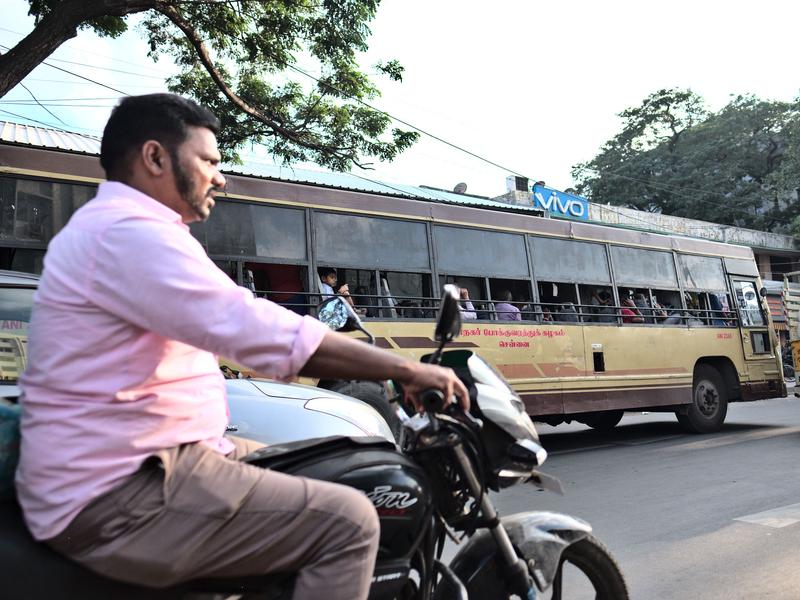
(337,314)
(448,321)
(763,292)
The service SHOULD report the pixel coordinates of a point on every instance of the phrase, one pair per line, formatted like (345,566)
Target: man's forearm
(342,357)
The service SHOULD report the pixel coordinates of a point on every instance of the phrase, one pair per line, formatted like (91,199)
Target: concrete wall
(692,227)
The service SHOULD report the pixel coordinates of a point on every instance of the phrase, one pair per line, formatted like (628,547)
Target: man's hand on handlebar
(425,377)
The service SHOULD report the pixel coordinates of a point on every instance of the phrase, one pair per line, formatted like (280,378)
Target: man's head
(506,296)
(328,275)
(166,147)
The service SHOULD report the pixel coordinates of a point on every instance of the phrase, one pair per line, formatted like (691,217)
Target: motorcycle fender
(539,537)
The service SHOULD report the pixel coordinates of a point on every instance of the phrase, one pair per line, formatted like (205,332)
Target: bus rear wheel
(709,405)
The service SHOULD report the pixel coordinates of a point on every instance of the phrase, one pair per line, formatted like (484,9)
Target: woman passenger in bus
(629,312)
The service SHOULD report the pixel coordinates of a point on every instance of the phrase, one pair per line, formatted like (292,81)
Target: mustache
(216,189)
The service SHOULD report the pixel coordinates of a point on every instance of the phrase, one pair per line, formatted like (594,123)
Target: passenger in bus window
(329,287)
(361,299)
(505,310)
(327,277)
(659,312)
(718,313)
(465,306)
(643,306)
(604,312)
(568,313)
(629,312)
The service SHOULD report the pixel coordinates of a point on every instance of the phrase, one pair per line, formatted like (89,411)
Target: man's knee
(366,515)
(361,519)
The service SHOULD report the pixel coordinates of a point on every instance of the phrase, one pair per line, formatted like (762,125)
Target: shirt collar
(117,189)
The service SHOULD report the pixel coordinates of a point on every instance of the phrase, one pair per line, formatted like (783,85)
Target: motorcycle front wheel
(586,571)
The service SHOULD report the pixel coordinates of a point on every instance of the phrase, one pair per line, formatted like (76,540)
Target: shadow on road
(633,434)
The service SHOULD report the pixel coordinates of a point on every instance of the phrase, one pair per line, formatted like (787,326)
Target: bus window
(634,267)
(363,290)
(560,299)
(476,287)
(253,230)
(597,304)
(283,284)
(479,252)
(370,242)
(721,312)
(701,272)
(697,307)
(667,303)
(514,292)
(412,294)
(569,260)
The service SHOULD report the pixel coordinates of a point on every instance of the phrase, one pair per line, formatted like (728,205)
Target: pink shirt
(127,320)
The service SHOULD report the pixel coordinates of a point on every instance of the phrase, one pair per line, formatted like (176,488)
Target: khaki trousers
(191,513)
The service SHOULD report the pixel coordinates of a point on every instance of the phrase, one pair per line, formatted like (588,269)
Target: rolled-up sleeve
(174,290)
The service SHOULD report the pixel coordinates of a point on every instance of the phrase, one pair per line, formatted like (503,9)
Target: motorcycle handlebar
(432,401)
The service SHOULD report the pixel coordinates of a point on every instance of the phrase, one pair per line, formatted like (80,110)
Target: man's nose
(219,180)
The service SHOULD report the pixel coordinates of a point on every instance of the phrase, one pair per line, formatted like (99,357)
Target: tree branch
(172,13)
(56,28)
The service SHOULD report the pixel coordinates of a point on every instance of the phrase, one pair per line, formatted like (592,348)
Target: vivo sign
(560,203)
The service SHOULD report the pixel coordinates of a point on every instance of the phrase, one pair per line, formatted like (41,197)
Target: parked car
(260,409)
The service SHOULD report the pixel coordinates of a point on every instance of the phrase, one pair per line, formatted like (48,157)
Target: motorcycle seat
(34,570)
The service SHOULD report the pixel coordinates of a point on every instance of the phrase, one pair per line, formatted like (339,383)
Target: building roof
(45,137)
(60,140)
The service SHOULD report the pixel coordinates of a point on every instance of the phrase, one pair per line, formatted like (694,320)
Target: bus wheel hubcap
(706,398)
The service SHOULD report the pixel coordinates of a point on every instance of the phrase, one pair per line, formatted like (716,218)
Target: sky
(534,87)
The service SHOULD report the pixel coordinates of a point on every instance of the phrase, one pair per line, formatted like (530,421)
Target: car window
(16,304)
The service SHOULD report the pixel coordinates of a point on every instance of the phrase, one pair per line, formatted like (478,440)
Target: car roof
(18,278)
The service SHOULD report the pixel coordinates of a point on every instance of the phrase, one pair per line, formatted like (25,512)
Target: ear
(155,158)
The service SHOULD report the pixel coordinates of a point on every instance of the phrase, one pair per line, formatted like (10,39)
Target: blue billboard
(560,203)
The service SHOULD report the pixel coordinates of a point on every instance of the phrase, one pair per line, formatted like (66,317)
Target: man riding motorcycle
(123,466)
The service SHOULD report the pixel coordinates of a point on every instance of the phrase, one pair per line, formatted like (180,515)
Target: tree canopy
(239,58)
(738,166)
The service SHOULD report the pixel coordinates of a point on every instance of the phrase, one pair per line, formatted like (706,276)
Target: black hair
(137,119)
(604,295)
(325,271)
(506,296)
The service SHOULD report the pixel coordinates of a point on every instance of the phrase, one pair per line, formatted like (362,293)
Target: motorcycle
(433,487)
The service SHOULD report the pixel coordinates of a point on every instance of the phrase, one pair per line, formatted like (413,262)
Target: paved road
(681,512)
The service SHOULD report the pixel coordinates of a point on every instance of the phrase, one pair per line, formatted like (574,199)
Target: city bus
(610,319)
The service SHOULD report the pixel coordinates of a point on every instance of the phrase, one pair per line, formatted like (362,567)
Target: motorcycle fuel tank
(397,487)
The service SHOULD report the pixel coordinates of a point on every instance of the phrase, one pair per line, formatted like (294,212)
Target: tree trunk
(55,29)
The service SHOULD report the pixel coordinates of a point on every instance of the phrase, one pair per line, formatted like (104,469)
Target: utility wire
(40,104)
(76,75)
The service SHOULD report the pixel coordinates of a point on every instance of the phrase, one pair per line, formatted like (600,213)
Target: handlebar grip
(432,401)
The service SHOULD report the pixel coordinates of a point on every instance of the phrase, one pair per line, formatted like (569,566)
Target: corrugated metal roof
(54,139)
(44,137)
(364,183)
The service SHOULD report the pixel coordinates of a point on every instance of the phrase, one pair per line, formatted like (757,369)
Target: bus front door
(760,361)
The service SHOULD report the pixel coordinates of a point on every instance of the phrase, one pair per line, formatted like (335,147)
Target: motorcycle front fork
(515,568)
